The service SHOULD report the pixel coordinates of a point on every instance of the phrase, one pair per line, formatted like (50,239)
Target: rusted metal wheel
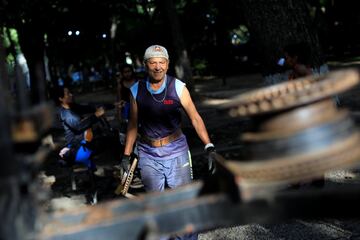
(299,133)
(291,94)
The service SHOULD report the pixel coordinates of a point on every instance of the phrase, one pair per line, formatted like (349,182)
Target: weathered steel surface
(291,94)
(17,208)
(200,206)
(300,134)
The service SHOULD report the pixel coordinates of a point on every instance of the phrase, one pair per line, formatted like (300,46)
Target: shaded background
(83,42)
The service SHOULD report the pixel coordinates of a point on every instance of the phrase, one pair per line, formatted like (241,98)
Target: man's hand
(120,104)
(63,151)
(125,163)
(210,150)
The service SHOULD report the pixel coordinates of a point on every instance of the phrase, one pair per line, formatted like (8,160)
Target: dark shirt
(125,92)
(74,124)
(159,114)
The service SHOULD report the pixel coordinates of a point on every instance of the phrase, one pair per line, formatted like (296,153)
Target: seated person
(78,132)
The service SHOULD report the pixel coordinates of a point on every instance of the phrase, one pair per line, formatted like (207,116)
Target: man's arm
(132,129)
(81,125)
(82,109)
(199,126)
(194,116)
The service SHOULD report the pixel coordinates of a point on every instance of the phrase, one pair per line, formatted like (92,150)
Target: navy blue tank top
(159,114)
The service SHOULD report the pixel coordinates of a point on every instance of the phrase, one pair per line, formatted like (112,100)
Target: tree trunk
(32,44)
(222,43)
(182,62)
(274,24)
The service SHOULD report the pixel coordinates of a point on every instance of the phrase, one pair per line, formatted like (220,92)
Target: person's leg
(152,174)
(83,156)
(179,173)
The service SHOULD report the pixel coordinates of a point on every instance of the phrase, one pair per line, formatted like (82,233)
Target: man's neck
(155,85)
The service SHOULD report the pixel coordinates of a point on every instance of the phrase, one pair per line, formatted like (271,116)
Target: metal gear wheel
(299,133)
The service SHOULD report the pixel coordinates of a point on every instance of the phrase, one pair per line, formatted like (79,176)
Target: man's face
(127,73)
(68,97)
(157,68)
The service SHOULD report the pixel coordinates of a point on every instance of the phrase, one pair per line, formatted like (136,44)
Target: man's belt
(161,141)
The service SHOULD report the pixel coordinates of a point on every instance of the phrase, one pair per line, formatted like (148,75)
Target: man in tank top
(155,114)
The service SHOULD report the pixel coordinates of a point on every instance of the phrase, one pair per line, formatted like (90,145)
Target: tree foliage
(213,32)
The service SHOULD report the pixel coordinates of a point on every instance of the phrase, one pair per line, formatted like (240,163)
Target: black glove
(210,150)
(125,163)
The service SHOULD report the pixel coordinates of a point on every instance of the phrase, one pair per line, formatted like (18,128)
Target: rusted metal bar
(126,180)
(298,132)
(8,167)
(14,203)
(9,199)
(32,124)
(20,136)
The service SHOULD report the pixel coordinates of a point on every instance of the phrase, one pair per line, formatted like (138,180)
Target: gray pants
(156,175)
(159,174)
